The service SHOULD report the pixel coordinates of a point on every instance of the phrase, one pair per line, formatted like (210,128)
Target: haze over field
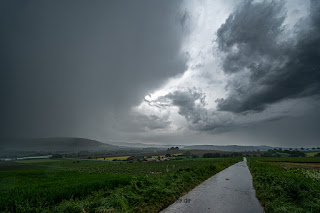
(162,72)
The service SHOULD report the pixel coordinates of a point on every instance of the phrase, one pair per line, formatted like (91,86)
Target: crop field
(314,166)
(283,188)
(311,154)
(113,158)
(291,159)
(68,185)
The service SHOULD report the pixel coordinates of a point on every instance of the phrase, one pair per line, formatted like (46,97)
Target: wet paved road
(229,191)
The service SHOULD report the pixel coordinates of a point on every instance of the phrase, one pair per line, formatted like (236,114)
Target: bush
(236,154)
(317,155)
(297,153)
(211,155)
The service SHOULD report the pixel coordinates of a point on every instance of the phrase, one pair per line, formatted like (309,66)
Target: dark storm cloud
(191,105)
(266,65)
(186,102)
(69,68)
(153,122)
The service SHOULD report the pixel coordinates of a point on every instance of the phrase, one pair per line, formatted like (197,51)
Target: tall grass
(91,186)
(30,191)
(148,193)
(291,159)
(284,189)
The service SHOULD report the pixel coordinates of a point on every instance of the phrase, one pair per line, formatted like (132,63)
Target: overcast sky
(168,72)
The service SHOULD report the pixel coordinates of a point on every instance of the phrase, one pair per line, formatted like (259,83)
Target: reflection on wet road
(230,191)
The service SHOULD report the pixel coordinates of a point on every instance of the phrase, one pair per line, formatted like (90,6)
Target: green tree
(187,153)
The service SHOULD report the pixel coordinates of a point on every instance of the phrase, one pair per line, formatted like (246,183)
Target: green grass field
(286,189)
(291,159)
(311,154)
(69,185)
(114,158)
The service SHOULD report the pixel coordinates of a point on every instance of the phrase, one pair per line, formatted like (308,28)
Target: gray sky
(169,72)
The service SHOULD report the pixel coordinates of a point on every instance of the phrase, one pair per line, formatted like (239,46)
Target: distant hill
(143,145)
(53,145)
(229,147)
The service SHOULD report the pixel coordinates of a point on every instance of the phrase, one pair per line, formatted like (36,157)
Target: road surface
(229,191)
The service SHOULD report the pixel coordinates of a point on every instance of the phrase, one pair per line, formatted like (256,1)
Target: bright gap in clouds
(244,69)
(200,21)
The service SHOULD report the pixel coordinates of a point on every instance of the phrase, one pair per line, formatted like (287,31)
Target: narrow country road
(230,190)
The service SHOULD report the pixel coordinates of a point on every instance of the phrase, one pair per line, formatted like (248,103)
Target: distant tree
(168,155)
(236,154)
(290,148)
(317,155)
(267,154)
(297,153)
(172,148)
(302,148)
(89,157)
(211,155)
(195,156)
(187,153)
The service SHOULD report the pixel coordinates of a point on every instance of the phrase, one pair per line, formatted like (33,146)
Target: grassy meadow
(291,159)
(283,186)
(113,158)
(68,185)
(311,154)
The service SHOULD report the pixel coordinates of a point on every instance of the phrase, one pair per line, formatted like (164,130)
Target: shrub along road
(231,190)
